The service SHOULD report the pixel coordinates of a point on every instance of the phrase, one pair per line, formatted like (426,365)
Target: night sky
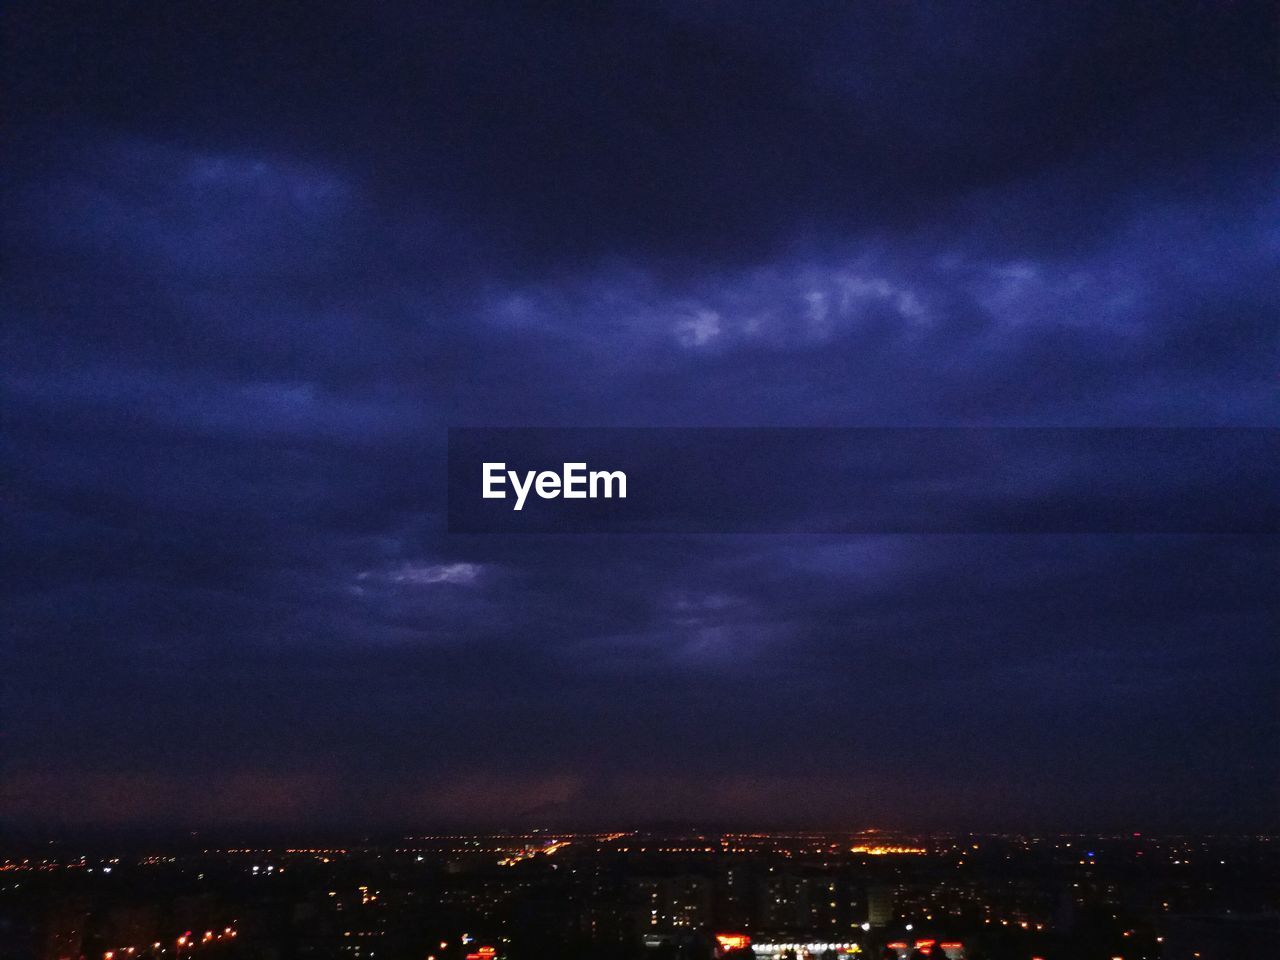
(259,257)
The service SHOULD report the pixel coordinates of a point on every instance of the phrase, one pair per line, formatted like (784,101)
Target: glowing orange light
(733,941)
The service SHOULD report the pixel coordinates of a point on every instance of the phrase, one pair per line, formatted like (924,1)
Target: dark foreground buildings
(683,895)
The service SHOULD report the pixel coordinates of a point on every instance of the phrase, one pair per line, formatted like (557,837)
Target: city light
(793,893)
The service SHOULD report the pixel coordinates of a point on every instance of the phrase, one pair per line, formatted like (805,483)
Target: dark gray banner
(877,480)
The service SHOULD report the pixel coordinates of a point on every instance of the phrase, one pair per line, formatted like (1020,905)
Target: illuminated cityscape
(639,480)
(663,895)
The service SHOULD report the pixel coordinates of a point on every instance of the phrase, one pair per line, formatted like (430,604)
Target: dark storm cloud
(711,128)
(258,259)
